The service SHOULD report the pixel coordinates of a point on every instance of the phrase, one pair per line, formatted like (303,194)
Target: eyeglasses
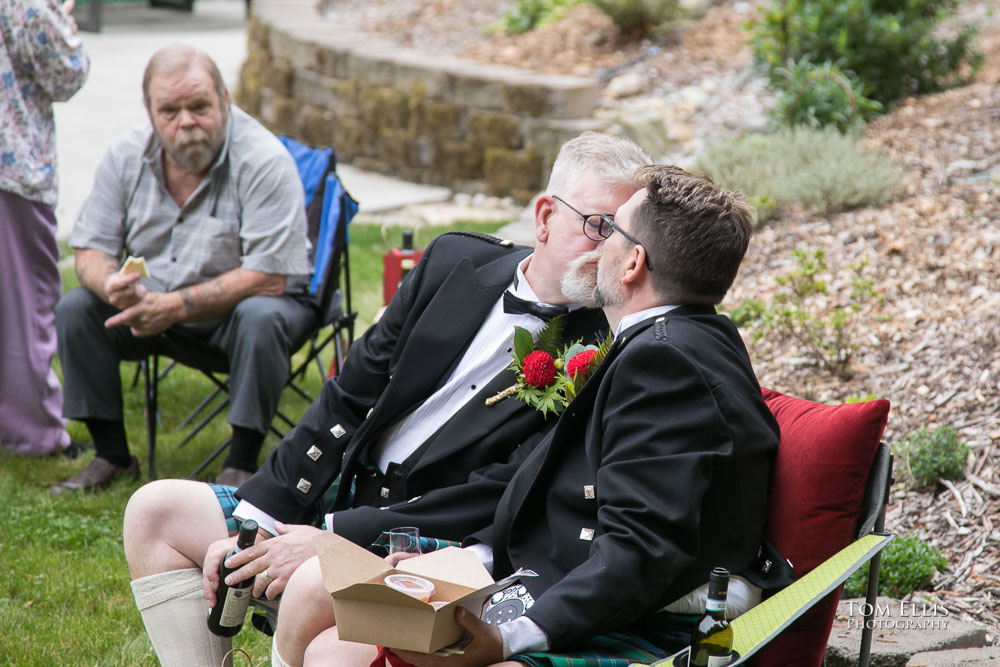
(599,226)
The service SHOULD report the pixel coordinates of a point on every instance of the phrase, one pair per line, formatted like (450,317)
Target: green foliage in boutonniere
(548,377)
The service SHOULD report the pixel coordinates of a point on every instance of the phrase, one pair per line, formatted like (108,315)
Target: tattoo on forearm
(206,295)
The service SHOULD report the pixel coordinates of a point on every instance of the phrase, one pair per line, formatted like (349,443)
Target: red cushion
(817,488)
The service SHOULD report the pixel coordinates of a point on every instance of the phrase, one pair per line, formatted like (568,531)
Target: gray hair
(180,58)
(613,159)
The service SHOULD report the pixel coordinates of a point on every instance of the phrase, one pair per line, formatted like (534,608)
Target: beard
(194,150)
(608,291)
(579,282)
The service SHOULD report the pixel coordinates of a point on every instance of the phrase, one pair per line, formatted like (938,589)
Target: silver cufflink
(338,431)
(314,452)
(588,492)
(384,492)
(587,534)
(304,485)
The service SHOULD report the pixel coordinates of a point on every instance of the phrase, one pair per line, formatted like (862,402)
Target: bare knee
(168,525)
(306,611)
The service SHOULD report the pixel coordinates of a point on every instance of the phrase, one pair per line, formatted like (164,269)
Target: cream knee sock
(276,660)
(174,610)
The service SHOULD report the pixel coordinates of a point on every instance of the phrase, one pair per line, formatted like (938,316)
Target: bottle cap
(413,586)
(718,583)
(248,534)
(407,239)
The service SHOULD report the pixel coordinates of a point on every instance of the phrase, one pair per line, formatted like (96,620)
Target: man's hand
(482,646)
(280,556)
(154,313)
(210,568)
(123,289)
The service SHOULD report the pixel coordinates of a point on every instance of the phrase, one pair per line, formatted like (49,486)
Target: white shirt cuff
(484,553)
(522,635)
(329,521)
(246,510)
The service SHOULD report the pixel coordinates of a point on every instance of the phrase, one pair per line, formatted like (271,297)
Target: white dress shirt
(485,357)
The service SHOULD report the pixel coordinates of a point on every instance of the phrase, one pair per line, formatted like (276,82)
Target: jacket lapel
(449,321)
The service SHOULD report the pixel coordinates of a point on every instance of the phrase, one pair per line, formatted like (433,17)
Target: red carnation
(579,363)
(539,369)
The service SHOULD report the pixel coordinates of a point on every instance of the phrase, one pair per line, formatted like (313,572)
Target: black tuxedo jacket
(655,473)
(389,372)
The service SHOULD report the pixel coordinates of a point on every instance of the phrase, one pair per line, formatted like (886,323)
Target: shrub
(893,46)
(819,96)
(527,15)
(635,18)
(907,565)
(815,168)
(803,310)
(928,456)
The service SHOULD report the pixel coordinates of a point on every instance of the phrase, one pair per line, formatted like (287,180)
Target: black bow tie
(515,305)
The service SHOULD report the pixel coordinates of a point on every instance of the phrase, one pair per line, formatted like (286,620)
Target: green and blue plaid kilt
(653,638)
(226,495)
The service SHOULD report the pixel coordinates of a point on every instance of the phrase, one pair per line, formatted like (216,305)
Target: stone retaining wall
(430,119)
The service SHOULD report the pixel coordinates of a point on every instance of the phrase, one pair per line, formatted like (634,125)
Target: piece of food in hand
(135,265)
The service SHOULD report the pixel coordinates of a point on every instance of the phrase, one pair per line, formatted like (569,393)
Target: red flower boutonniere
(548,377)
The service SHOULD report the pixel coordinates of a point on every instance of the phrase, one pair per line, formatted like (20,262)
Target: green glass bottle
(231,602)
(712,640)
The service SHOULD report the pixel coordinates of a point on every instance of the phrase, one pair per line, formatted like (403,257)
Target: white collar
(635,318)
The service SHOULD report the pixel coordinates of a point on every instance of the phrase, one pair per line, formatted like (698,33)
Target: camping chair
(830,484)
(329,210)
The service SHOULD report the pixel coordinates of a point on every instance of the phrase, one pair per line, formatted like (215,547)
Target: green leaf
(550,337)
(523,344)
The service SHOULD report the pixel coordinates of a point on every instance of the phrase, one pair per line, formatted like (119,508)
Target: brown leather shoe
(233,477)
(98,474)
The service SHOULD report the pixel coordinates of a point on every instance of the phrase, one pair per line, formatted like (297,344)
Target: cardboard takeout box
(370,612)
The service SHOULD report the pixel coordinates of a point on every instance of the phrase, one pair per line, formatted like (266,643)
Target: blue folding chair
(329,210)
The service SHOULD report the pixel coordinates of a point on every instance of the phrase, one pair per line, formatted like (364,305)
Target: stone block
(494,129)
(278,77)
(258,35)
(398,148)
(315,126)
(385,107)
(439,120)
(351,138)
(285,112)
(313,88)
(471,89)
(459,161)
(301,54)
(961,657)
(901,628)
(550,96)
(512,173)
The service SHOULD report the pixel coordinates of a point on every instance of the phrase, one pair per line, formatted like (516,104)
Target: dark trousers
(253,344)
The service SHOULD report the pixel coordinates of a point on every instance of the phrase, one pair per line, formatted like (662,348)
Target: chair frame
(334,312)
(870,523)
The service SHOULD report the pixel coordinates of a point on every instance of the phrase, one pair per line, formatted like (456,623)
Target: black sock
(244,449)
(110,441)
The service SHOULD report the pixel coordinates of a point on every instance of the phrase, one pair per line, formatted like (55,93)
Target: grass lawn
(65,599)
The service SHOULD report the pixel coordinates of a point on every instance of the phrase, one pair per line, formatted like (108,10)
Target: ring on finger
(266,578)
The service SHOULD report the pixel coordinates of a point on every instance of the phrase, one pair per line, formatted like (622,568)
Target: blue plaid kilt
(653,638)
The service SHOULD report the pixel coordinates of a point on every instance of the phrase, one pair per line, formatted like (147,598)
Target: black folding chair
(329,210)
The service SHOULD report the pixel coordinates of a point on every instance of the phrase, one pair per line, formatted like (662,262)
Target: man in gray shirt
(214,203)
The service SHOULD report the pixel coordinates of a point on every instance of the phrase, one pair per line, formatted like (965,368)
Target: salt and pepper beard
(608,291)
(194,150)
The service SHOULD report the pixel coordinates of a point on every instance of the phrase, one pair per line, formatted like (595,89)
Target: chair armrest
(757,627)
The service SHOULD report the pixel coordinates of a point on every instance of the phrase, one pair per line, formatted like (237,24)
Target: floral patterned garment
(41,61)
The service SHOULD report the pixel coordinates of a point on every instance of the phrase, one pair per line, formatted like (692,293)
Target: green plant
(907,565)
(860,399)
(819,96)
(893,46)
(804,310)
(527,15)
(927,456)
(821,169)
(635,18)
